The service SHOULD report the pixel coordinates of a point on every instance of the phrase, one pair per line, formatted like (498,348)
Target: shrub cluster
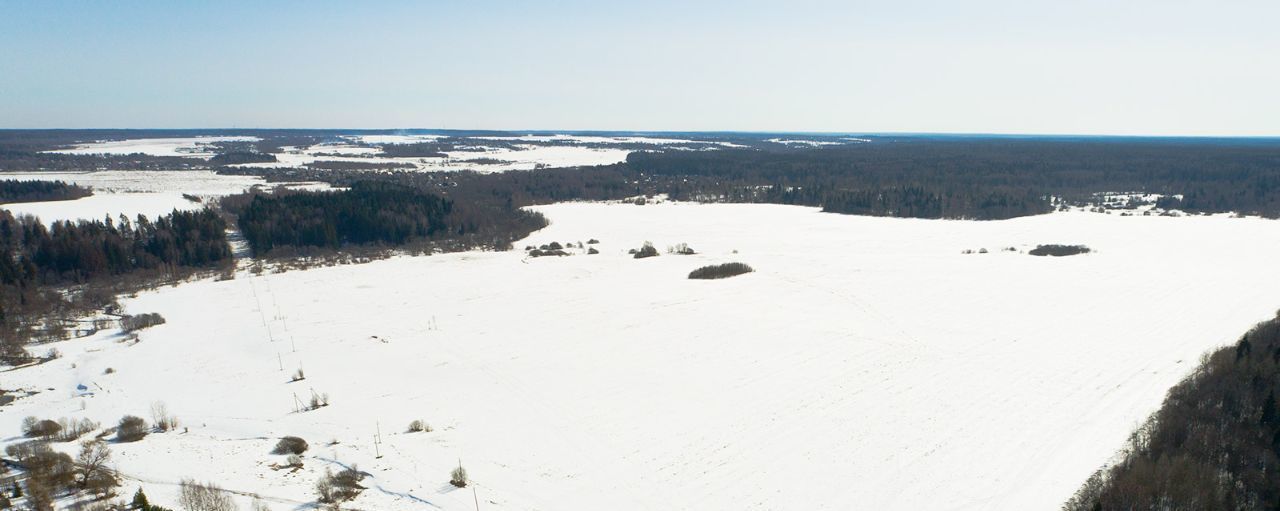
(290,445)
(720,271)
(1058,250)
(63,430)
(131,429)
(646,250)
(138,322)
(419,425)
(12,190)
(340,487)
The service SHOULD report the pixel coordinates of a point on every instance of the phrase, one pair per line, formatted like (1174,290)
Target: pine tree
(140,500)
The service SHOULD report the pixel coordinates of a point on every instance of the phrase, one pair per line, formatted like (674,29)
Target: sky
(1133,67)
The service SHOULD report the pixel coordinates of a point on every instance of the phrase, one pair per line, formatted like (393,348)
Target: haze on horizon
(1143,67)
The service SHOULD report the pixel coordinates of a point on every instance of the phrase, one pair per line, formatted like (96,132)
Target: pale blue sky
(1151,67)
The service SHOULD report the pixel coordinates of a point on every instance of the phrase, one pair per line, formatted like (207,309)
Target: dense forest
(1213,445)
(38,261)
(12,191)
(981,178)
(372,213)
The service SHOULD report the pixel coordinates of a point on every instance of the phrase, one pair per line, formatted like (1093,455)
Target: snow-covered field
(133,192)
(867,363)
(192,146)
(523,157)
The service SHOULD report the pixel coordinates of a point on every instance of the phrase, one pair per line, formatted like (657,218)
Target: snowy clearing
(866,361)
(193,146)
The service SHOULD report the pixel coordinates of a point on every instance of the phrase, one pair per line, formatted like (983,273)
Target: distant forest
(1213,445)
(12,191)
(39,261)
(925,176)
(986,178)
(372,213)
(947,177)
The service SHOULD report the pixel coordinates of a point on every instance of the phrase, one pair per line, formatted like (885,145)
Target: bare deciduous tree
(195,496)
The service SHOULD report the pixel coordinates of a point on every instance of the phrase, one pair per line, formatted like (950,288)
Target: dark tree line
(720,271)
(370,213)
(38,262)
(982,178)
(238,157)
(74,252)
(417,150)
(926,177)
(12,191)
(1213,445)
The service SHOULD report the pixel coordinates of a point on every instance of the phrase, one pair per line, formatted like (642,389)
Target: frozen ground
(356,148)
(193,146)
(132,192)
(867,363)
(523,157)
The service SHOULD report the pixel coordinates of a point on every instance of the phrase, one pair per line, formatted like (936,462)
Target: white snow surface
(866,363)
(191,146)
(522,157)
(595,139)
(811,143)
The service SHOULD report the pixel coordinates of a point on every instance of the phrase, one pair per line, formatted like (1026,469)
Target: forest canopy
(1214,444)
(369,213)
(12,190)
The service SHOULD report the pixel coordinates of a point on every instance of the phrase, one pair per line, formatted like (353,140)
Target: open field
(866,362)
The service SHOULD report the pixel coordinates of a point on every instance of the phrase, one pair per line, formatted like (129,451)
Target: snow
(393,139)
(589,139)
(810,143)
(867,360)
(530,157)
(192,146)
(521,157)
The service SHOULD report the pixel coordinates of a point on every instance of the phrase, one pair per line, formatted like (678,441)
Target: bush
(290,445)
(343,486)
(46,429)
(592,251)
(319,400)
(1059,250)
(131,429)
(160,414)
(645,251)
(298,375)
(682,249)
(140,321)
(540,253)
(720,271)
(294,461)
(418,425)
(458,477)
